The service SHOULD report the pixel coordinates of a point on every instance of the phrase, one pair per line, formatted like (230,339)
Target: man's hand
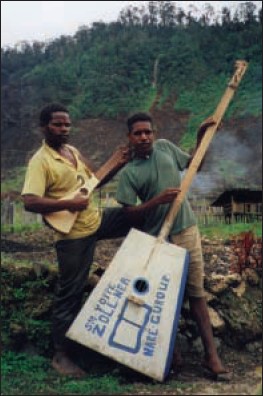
(121,156)
(203,127)
(78,203)
(135,214)
(209,121)
(118,159)
(166,196)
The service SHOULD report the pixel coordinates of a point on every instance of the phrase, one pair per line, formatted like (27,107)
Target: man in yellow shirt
(53,172)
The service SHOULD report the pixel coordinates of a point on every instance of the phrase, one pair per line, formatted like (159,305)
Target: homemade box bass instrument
(132,314)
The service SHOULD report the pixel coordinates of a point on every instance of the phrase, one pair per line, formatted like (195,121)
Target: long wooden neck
(241,67)
(106,169)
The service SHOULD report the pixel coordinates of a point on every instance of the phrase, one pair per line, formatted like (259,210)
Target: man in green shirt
(153,177)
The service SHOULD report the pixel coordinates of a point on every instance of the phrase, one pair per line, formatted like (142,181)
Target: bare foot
(63,365)
(216,369)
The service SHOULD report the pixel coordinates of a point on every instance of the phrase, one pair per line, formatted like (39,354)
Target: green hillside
(108,70)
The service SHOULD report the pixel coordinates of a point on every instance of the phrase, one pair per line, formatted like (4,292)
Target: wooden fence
(13,213)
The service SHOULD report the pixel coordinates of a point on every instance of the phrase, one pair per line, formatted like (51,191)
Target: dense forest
(152,53)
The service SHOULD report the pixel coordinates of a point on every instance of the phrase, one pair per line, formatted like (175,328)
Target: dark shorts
(75,257)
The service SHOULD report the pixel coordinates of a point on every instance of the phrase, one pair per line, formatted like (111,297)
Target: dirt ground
(245,381)
(191,379)
(245,365)
(245,368)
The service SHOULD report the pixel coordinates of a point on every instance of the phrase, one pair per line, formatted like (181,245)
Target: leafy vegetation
(152,50)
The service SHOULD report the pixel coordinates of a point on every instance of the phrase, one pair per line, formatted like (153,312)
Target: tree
(247,12)
(225,16)
(153,13)
(167,14)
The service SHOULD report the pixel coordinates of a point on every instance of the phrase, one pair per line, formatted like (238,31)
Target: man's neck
(143,156)
(56,147)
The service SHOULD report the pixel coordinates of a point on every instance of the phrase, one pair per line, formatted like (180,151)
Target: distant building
(240,205)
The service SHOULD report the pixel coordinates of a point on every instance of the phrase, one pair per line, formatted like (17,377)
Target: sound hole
(84,190)
(141,286)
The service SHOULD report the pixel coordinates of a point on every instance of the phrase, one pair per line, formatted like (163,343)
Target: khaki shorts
(190,240)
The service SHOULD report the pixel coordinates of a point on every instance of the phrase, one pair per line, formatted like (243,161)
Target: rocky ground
(246,364)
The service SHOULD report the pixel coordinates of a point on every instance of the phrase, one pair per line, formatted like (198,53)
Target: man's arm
(135,214)
(43,205)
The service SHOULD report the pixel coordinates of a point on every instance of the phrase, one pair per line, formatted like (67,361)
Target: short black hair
(46,113)
(138,117)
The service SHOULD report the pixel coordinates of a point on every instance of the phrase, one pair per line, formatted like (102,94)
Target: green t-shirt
(146,178)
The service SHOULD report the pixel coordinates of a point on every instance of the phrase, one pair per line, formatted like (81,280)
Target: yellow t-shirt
(53,176)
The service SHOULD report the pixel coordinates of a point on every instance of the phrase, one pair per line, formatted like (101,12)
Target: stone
(251,277)
(240,290)
(217,322)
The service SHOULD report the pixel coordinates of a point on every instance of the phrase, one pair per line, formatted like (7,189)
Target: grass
(8,259)
(225,231)
(202,101)
(24,374)
(20,370)
(14,179)
(20,228)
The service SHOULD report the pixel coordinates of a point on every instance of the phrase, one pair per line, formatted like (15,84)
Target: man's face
(141,138)
(57,131)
